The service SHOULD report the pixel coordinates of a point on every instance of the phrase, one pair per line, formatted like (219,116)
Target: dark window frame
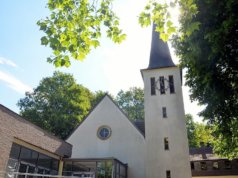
(215,165)
(203,165)
(166,143)
(171,84)
(152,86)
(168,174)
(164,112)
(32,159)
(162,85)
(192,165)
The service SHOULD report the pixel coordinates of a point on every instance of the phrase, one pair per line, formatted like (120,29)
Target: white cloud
(8,62)
(14,83)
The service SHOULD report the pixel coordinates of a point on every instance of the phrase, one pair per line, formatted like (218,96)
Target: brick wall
(12,127)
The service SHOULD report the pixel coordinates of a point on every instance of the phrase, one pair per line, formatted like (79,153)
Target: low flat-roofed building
(205,164)
(26,147)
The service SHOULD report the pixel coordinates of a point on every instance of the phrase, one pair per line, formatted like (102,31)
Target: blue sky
(110,67)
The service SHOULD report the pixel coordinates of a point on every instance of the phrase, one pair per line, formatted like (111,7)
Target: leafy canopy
(74,28)
(132,102)
(199,134)
(210,56)
(57,104)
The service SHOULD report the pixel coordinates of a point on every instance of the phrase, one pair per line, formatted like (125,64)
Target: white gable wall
(126,143)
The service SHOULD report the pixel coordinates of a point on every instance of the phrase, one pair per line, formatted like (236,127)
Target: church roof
(159,53)
(140,124)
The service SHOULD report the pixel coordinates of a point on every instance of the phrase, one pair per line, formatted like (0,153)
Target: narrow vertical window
(168,174)
(166,143)
(171,84)
(152,85)
(164,112)
(162,86)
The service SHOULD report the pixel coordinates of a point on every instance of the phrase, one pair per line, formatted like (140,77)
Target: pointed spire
(159,53)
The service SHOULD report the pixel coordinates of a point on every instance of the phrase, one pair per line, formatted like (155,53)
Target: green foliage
(210,56)
(190,126)
(226,143)
(74,28)
(132,102)
(98,95)
(198,134)
(158,13)
(58,104)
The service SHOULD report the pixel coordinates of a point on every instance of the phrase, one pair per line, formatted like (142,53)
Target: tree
(190,126)
(98,95)
(199,134)
(210,56)
(58,104)
(132,102)
(74,27)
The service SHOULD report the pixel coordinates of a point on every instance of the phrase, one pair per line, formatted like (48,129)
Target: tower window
(166,143)
(164,111)
(171,84)
(152,86)
(162,86)
(168,174)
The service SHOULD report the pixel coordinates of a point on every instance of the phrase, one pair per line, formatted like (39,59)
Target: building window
(104,132)
(152,86)
(203,165)
(25,160)
(166,143)
(15,151)
(171,84)
(162,86)
(215,165)
(168,174)
(227,164)
(164,111)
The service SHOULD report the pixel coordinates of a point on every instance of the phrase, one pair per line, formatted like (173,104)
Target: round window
(104,132)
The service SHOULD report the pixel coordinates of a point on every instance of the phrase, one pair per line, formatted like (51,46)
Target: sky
(110,67)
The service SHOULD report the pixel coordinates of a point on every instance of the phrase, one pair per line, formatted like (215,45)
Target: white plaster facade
(145,156)
(126,143)
(176,158)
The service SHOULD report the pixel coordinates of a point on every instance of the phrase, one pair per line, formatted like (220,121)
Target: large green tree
(199,134)
(132,102)
(210,56)
(57,104)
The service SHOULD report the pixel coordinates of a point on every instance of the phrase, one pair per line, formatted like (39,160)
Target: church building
(161,150)
(106,144)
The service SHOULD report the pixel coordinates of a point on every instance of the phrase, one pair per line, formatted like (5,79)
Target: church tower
(167,154)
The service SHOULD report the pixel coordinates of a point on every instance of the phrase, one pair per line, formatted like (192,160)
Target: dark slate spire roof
(159,53)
